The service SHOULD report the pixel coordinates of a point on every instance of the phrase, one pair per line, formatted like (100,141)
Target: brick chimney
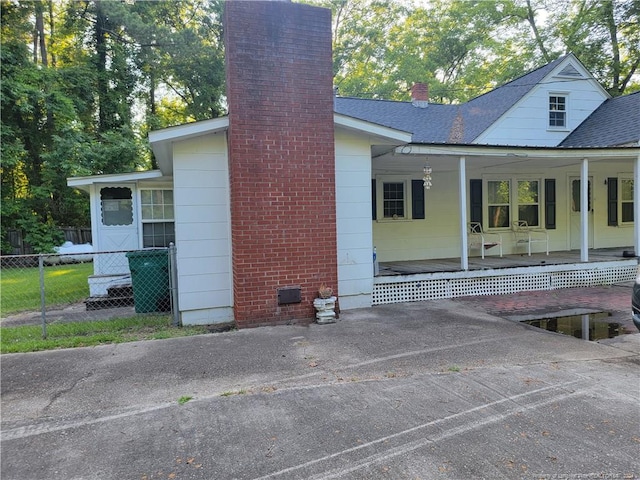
(420,95)
(281,159)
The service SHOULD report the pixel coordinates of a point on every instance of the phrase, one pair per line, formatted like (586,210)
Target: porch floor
(412,267)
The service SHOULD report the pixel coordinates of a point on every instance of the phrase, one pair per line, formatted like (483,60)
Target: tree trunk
(39,39)
(101,66)
(532,21)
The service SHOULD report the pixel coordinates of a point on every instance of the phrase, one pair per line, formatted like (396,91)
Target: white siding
(527,121)
(203,238)
(438,235)
(353,198)
(435,236)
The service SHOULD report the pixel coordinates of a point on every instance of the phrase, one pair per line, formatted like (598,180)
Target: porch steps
(118,296)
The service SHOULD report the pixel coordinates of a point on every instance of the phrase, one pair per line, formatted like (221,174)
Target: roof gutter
(513,151)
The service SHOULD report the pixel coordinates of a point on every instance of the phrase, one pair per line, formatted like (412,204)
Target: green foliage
(463,48)
(605,35)
(41,236)
(76,105)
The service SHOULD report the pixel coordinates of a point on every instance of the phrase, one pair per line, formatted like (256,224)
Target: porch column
(464,254)
(584,211)
(636,205)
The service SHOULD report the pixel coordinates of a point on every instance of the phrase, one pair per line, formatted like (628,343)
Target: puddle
(587,327)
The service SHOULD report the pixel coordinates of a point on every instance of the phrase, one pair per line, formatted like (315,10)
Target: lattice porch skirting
(433,286)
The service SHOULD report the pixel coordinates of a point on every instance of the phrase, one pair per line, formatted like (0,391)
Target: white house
(551,148)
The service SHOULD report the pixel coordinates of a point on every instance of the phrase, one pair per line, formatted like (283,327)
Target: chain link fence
(67,288)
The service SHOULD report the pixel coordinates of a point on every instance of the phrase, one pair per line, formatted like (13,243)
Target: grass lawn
(28,338)
(63,284)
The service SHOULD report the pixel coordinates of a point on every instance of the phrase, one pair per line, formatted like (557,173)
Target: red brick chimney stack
(281,159)
(420,95)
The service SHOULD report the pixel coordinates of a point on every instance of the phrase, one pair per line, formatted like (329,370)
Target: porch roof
(85,182)
(442,155)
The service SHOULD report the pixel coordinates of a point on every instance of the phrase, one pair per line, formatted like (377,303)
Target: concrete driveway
(429,390)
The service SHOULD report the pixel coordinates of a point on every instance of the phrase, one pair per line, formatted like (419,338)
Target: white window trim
(565,128)
(485,200)
(143,221)
(513,198)
(622,177)
(538,203)
(380,181)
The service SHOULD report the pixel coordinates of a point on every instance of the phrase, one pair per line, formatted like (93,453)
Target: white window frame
(144,221)
(537,204)
(513,198)
(564,127)
(621,179)
(380,181)
(485,200)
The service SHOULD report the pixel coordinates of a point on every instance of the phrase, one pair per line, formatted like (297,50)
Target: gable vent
(570,71)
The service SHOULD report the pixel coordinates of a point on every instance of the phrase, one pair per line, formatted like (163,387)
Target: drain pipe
(173,280)
(636,204)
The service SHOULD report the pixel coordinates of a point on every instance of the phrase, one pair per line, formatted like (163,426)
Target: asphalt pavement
(443,389)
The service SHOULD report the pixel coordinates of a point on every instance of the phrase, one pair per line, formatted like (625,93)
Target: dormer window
(557,111)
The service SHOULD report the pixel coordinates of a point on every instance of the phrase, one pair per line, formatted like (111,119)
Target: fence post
(43,307)
(173,285)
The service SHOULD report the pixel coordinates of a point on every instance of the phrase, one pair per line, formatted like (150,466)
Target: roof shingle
(440,123)
(616,122)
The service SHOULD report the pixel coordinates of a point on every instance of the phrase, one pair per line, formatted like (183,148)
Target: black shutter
(612,202)
(374,205)
(475,201)
(550,203)
(417,199)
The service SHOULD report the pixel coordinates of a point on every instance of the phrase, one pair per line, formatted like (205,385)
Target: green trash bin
(150,280)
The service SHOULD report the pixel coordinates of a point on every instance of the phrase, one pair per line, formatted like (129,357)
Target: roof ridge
(373,99)
(531,72)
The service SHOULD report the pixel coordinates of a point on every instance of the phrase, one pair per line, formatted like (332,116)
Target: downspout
(462,189)
(636,204)
(584,211)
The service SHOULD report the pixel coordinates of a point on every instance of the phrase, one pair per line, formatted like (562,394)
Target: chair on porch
(526,235)
(483,240)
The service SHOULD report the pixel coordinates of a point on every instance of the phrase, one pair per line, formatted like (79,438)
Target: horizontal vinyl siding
(203,240)
(527,122)
(353,203)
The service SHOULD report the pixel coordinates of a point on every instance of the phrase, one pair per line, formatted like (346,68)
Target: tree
(82,84)
(465,48)
(605,36)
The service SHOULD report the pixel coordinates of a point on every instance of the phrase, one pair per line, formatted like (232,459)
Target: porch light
(426,179)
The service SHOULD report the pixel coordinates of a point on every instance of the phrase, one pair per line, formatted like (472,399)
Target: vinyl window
(557,111)
(626,200)
(529,202)
(158,224)
(498,203)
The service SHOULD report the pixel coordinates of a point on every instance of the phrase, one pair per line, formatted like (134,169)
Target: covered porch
(439,265)
(416,280)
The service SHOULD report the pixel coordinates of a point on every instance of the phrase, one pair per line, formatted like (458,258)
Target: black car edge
(635,301)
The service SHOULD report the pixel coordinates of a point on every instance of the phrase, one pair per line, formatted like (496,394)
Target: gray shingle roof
(445,123)
(615,122)
(481,112)
(428,125)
